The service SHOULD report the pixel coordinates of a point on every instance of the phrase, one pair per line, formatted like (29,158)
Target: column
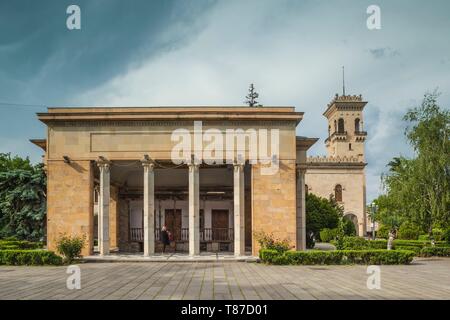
(239,210)
(103,213)
(149,208)
(194,219)
(300,210)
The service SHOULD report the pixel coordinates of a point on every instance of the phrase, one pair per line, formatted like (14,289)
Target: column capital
(103,163)
(238,165)
(147,164)
(301,167)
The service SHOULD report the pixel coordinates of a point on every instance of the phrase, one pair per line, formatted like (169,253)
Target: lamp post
(373,211)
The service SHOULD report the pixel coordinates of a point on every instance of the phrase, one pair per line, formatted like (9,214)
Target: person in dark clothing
(165,238)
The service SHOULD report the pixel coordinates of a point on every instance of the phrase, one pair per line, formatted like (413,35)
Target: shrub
(437,234)
(411,248)
(268,241)
(337,257)
(349,228)
(326,235)
(424,237)
(408,232)
(19,244)
(446,236)
(70,246)
(435,251)
(359,243)
(29,257)
(383,232)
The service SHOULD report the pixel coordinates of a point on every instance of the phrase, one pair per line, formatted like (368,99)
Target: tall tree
(22,198)
(419,188)
(252,96)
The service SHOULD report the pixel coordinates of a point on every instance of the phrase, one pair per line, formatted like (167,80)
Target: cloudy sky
(205,52)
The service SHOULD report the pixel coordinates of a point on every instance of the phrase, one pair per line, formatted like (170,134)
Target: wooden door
(220,225)
(173,223)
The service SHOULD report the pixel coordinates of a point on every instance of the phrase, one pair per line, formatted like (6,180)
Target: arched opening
(306,189)
(329,131)
(357,125)
(341,125)
(350,147)
(335,126)
(338,193)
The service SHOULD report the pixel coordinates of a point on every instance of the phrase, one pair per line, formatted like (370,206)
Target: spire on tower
(343,80)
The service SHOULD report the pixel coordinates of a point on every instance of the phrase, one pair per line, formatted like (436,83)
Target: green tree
(418,189)
(22,198)
(321,213)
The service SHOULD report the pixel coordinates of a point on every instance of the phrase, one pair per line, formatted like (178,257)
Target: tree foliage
(251,97)
(22,198)
(321,213)
(418,189)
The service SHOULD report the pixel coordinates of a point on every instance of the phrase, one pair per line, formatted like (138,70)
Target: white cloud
(293,53)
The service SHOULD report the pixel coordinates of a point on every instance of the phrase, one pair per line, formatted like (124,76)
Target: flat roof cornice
(171,113)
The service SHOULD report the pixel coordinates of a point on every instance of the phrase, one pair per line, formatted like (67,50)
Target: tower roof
(345,102)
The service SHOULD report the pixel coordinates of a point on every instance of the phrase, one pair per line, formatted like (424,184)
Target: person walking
(165,238)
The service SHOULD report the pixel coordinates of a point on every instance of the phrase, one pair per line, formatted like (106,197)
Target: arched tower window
(338,193)
(335,126)
(341,125)
(329,131)
(357,127)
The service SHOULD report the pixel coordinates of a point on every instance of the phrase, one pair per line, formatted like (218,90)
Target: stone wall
(274,203)
(70,201)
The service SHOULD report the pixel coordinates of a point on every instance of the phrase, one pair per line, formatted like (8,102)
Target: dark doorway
(173,223)
(220,225)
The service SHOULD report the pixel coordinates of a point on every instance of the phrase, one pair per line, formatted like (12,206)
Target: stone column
(300,210)
(194,214)
(103,200)
(239,210)
(149,208)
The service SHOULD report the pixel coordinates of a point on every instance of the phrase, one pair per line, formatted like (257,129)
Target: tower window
(357,127)
(338,193)
(350,146)
(341,125)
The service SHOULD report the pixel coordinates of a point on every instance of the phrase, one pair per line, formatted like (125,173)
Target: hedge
(19,245)
(29,257)
(358,243)
(314,257)
(435,251)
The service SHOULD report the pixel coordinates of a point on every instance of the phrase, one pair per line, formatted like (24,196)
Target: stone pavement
(424,279)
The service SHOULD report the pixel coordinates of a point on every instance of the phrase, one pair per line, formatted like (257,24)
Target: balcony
(338,135)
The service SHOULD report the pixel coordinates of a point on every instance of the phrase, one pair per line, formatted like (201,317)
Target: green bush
(408,232)
(337,257)
(359,243)
(326,235)
(70,247)
(268,241)
(383,232)
(435,251)
(446,236)
(8,244)
(29,257)
(424,237)
(411,248)
(349,228)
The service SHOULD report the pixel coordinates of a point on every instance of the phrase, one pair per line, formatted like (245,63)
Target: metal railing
(206,234)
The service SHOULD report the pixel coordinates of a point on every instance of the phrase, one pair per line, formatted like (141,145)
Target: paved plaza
(424,279)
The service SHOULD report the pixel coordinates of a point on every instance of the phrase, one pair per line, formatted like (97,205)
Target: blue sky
(202,52)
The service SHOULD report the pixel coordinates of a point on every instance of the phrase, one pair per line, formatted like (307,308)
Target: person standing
(165,238)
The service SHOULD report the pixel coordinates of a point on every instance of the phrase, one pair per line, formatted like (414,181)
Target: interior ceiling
(129,175)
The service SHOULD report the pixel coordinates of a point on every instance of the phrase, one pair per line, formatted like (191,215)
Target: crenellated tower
(346,135)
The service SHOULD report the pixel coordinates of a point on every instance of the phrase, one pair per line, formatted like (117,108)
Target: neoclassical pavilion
(113,178)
